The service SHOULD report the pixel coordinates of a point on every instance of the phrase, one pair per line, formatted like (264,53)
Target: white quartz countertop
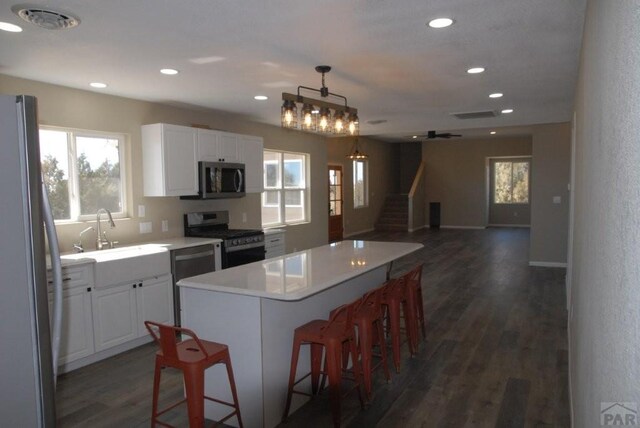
(273,230)
(305,273)
(183,242)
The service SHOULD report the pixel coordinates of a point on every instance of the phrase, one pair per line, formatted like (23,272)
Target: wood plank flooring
(495,355)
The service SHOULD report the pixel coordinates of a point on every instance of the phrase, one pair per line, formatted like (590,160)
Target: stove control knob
(234,242)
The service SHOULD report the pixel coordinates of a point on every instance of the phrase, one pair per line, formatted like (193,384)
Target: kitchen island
(255,308)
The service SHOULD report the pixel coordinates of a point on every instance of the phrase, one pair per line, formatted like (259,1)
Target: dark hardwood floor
(495,355)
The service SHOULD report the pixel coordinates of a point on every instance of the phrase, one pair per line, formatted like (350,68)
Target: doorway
(335,203)
(510,191)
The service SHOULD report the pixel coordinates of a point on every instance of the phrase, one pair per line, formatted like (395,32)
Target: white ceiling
(385,59)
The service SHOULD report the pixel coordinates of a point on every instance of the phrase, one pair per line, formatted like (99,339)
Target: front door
(335,203)
(509,195)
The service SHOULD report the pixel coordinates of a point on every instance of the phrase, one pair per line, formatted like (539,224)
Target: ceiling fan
(434,134)
(430,135)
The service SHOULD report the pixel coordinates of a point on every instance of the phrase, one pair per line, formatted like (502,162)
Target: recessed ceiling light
(98,85)
(475,70)
(440,22)
(169,71)
(492,132)
(496,95)
(5,26)
(261,97)
(507,110)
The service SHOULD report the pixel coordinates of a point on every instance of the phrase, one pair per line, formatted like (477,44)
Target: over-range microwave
(219,180)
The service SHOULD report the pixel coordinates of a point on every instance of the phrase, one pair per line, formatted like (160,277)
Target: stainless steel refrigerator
(27,345)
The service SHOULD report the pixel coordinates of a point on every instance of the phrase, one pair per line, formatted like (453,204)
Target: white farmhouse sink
(124,264)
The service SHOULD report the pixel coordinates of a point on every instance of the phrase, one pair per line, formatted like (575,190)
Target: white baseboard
(548,264)
(462,227)
(358,233)
(418,228)
(509,225)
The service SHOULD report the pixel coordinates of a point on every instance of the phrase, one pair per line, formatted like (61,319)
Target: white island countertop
(299,275)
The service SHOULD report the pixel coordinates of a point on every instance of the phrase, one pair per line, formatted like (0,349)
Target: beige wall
(550,177)
(410,158)
(456,176)
(65,107)
(605,288)
(381,175)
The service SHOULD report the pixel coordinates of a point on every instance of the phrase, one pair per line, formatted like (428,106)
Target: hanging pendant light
(354,124)
(289,114)
(339,125)
(324,120)
(356,154)
(308,118)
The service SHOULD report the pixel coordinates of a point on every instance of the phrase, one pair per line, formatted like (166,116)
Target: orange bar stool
(192,357)
(368,318)
(397,297)
(414,281)
(329,335)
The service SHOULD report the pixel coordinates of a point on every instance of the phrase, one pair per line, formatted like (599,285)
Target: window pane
(520,183)
(359,185)
(55,171)
(271,207)
(294,205)
(98,174)
(272,170)
(502,183)
(294,175)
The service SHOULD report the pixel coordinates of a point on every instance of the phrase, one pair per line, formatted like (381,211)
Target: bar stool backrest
(371,301)
(165,336)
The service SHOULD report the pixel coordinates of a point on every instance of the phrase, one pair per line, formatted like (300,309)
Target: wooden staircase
(394,214)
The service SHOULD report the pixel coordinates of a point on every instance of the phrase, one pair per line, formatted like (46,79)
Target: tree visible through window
(82,173)
(511,182)
(285,184)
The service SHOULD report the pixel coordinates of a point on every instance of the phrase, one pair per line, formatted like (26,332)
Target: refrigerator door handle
(56,270)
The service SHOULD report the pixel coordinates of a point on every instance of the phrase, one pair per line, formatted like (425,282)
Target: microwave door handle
(239,175)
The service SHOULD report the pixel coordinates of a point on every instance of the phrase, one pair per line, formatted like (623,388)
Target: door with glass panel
(335,203)
(509,191)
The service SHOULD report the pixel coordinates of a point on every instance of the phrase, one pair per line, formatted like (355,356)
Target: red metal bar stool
(368,319)
(192,357)
(397,297)
(414,281)
(329,335)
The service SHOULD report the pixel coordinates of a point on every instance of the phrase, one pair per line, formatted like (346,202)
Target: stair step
(391,227)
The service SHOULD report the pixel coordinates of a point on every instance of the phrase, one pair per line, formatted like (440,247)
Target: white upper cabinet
(169,160)
(171,154)
(250,154)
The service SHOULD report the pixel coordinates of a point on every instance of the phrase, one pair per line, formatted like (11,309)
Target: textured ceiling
(385,59)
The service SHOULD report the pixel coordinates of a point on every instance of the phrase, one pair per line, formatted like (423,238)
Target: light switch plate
(557,199)
(165,225)
(141,211)
(244,217)
(146,227)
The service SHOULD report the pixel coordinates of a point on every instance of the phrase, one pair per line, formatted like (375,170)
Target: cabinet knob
(135,285)
(89,289)
(140,285)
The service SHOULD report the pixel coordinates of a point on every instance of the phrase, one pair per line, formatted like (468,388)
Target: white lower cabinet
(274,244)
(119,311)
(76,337)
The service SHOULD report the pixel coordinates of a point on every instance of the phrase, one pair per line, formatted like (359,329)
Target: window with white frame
(360,184)
(83,171)
(511,182)
(285,196)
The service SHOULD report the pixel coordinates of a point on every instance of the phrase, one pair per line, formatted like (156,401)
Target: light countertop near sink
(132,250)
(273,230)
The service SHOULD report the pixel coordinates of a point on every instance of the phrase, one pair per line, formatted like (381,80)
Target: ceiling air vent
(46,18)
(476,114)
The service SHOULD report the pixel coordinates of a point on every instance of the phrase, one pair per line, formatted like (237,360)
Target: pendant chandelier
(356,154)
(319,115)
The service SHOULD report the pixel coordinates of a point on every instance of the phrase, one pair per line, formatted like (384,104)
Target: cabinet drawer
(275,251)
(74,276)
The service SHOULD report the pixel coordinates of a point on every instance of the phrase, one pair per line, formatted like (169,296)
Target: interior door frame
(342,168)
(487,183)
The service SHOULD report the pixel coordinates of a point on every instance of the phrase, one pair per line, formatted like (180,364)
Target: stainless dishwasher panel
(192,261)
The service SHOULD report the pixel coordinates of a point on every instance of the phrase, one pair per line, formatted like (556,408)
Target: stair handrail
(417,179)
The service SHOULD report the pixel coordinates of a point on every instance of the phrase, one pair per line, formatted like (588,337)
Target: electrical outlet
(557,199)
(146,227)
(165,225)
(244,217)
(141,211)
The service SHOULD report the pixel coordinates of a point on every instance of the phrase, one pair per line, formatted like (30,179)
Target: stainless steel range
(240,246)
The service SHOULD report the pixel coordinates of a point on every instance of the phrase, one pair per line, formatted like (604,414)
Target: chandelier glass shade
(319,115)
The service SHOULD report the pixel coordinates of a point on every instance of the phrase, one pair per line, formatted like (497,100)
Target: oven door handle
(194,256)
(244,247)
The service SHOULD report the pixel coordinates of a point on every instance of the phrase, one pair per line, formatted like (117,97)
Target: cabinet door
(179,160)
(114,315)
(228,147)
(207,145)
(274,244)
(76,335)
(155,302)
(250,151)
